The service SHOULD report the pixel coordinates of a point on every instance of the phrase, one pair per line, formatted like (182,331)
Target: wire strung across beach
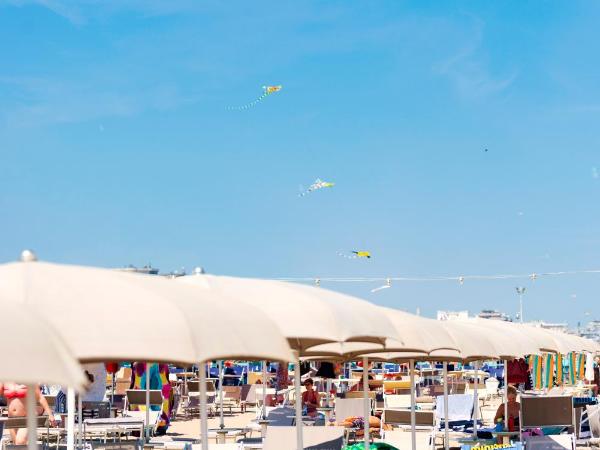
(431,278)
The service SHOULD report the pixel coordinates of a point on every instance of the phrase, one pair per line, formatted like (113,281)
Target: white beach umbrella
(510,340)
(81,303)
(33,352)
(308,316)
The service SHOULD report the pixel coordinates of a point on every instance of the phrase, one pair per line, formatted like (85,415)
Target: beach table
(505,435)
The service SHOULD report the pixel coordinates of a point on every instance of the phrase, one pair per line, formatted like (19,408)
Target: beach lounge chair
(593,414)
(460,414)
(348,407)
(115,428)
(190,403)
(137,397)
(491,389)
(554,442)
(396,401)
(547,411)
(232,396)
(12,423)
(400,418)
(314,438)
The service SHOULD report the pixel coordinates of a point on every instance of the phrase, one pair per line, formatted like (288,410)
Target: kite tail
(251,104)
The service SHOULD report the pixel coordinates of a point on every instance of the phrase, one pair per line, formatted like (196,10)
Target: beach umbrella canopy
(109,315)
(415,334)
(33,352)
(553,341)
(307,315)
(510,340)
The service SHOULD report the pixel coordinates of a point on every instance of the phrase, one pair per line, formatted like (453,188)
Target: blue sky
(118,146)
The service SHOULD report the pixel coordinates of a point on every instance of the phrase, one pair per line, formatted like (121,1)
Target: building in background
(494,315)
(452,315)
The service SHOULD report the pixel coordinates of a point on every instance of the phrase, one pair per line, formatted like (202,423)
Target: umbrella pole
(506,395)
(112,391)
(31,418)
(264,386)
(147,433)
(446,423)
(476,400)
(366,399)
(203,409)
(298,403)
(79,421)
(413,417)
(221,418)
(70,419)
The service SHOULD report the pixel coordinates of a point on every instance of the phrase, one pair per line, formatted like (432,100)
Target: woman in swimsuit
(15,397)
(310,398)
(514,408)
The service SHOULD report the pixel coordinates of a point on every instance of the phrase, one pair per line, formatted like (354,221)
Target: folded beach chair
(314,438)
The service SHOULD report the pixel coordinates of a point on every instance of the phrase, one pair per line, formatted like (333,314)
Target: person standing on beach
(15,396)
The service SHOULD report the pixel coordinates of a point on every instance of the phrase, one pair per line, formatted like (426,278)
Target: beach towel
(580,366)
(536,372)
(572,368)
(589,367)
(549,371)
(559,369)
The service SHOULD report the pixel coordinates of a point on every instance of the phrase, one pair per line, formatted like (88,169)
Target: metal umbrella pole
(222,420)
(367,402)
(147,433)
(70,419)
(203,408)
(30,402)
(79,421)
(476,400)
(506,395)
(446,423)
(298,403)
(264,383)
(413,415)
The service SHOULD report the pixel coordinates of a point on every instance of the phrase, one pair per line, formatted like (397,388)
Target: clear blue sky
(117,145)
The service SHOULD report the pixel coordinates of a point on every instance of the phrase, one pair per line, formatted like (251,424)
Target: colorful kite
(354,254)
(267,90)
(318,184)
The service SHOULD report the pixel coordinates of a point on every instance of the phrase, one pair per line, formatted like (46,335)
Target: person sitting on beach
(513,410)
(310,398)
(15,397)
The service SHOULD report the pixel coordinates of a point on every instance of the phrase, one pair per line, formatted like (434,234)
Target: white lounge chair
(314,438)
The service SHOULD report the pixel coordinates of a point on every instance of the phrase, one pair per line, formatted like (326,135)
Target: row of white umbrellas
(71,313)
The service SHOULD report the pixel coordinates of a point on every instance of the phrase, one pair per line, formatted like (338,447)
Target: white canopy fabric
(415,334)
(33,352)
(510,340)
(108,315)
(307,315)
